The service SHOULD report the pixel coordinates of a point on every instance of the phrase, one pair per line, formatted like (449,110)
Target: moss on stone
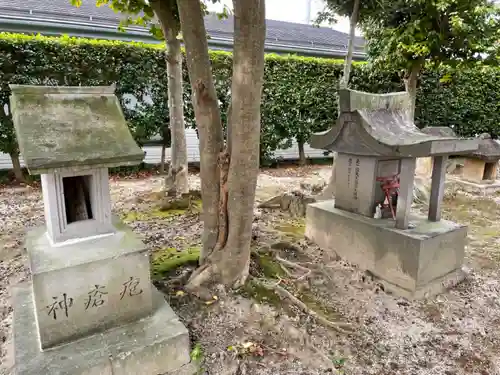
(166,260)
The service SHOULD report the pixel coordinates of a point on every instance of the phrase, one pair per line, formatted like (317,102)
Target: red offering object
(390,186)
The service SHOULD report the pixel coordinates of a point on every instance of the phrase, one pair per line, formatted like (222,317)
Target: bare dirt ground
(254,331)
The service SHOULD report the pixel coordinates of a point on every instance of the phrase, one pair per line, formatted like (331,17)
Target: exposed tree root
(345,328)
(200,276)
(171,184)
(184,202)
(285,245)
(285,263)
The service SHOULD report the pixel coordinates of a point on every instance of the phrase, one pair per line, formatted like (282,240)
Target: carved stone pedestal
(91,309)
(156,344)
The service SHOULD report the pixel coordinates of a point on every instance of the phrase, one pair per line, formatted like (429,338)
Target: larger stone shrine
(480,170)
(370,222)
(90,307)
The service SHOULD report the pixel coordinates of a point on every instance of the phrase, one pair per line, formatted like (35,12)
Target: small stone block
(88,286)
(158,344)
(473,170)
(412,262)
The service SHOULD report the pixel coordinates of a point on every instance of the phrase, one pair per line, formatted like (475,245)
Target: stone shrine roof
(378,125)
(489,149)
(442,131)
(70,127)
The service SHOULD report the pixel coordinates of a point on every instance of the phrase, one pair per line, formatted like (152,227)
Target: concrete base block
(413,263)
(486,188)
(108,284)
(434,287)
(158,344)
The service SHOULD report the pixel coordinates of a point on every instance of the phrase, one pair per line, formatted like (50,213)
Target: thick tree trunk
(16,166)
(207,116)
(177,178)
(350,46)
(246,93)
(302,153)
(411,81)
(238,163)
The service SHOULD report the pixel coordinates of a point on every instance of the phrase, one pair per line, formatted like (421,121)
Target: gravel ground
(452,334)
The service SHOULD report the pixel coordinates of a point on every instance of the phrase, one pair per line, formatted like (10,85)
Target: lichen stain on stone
(58,129)
(169,259)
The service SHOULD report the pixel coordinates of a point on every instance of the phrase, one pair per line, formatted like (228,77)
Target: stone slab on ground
(158,344)
(413,263)
(474,187)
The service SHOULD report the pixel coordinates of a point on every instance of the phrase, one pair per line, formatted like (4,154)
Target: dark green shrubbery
(299,97)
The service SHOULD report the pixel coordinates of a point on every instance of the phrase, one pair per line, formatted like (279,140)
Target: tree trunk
(350,46)
(162,159)
(16,166)
(177,178)
(302,153)
(164,144)
(207,116)
(228,260)
(246,93)
(411,81)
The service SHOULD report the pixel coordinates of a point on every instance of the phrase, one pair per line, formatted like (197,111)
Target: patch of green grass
(166,260)
(158,213)
(268,266)
(294,228)
(252,289)
(311,301)
(197,353)
(488,231)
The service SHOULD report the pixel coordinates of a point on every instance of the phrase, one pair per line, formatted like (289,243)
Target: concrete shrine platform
(480,188)
(158,344)
(417,262)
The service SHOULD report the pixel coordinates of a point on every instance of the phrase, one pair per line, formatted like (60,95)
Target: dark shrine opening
(77,198)
(489,171)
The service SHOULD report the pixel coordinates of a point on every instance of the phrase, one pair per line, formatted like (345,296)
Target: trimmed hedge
(299,95)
